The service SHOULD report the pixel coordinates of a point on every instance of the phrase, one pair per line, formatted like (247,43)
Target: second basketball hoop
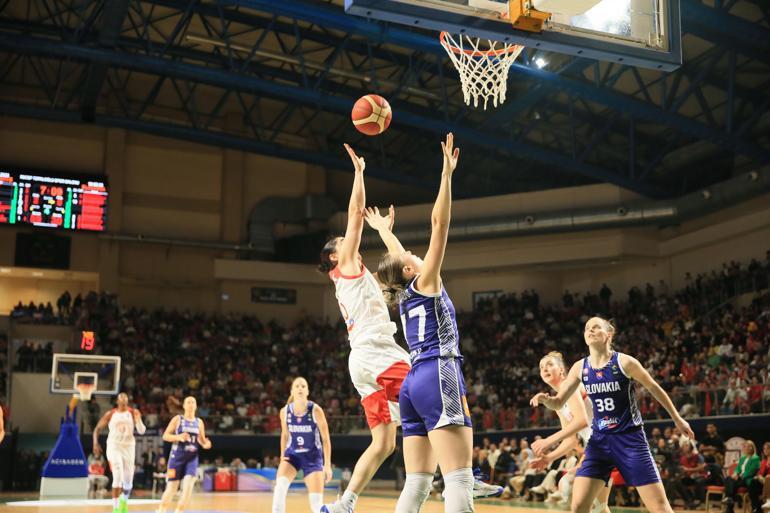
(483,66)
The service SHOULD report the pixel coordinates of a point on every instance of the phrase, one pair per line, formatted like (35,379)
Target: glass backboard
(644,33)
(70,369)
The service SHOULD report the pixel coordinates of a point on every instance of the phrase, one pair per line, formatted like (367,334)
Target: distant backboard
(644,33)
(70,369)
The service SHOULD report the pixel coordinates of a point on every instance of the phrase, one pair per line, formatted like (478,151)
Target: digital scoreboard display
(53,201)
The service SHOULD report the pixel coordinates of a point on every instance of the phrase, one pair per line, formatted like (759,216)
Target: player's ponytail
(391,274)
(327,264)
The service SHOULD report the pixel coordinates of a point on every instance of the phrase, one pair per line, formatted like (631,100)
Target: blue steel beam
(750,36)
(321,99)
(640,110)
(109,30)
(297,8)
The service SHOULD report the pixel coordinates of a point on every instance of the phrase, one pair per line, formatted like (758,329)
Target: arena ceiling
(280,77)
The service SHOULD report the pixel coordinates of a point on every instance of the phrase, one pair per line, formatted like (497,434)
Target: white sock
(598,507)
(279,494)
(458,486)
(116,501)
(316,500)
(349,499)
(416,490)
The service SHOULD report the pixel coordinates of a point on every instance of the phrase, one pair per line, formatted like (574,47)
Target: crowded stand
(711,356)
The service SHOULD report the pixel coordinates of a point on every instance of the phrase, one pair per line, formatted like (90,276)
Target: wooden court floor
(376,502)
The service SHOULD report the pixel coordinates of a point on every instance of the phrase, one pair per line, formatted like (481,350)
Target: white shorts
(121,458)
(377,372)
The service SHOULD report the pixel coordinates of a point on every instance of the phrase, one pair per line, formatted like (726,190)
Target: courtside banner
(67,458)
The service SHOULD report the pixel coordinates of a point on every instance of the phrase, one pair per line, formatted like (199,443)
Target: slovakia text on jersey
(612,395)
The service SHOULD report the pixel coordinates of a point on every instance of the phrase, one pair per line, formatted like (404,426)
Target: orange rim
(476,53)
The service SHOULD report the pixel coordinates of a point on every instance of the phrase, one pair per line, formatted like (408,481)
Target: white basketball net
(483,72)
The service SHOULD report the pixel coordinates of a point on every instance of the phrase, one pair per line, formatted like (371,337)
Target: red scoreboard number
(87,341)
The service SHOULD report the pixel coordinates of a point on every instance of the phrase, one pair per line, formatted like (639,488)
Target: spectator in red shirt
(694,474)
(760,487)
(755,395)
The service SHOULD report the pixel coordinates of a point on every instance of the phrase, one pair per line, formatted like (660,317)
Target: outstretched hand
(358,162)
(539,463)
(377,220)
(539,446)
(451,154)
(544,399)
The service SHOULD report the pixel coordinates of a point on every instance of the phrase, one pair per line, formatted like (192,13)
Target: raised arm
(635,370)
(384,226)
(429,280)
(347,253)
(99,426)
(566,435)
(169,434)
(568,388)
(326,441)
(203,440)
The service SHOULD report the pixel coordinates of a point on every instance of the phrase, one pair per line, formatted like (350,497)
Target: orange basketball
(371,114)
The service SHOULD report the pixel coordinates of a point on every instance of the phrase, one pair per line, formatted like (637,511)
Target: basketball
(371,114)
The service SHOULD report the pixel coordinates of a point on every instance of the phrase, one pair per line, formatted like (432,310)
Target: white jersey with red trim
(363,308)
(585,433)
(121,428)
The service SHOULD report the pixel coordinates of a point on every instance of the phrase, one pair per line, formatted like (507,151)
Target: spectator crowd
(688,469)
(711,357)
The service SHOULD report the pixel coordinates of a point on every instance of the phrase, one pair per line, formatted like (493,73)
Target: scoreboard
(53,201)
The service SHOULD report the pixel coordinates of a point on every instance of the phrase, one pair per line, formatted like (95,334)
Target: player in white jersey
(377,364)
(575,417)
(121,449)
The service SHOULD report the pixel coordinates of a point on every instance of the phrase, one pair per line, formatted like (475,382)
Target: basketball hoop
(483,72)
(84,391)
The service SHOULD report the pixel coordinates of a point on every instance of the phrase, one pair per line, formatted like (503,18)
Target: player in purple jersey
(305,446)
(575,418)
(434,412)
(186,432)
(618,438)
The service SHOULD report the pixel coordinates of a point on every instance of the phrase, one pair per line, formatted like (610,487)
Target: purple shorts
(181,464)
(628,451)
(306,462)
(433,396)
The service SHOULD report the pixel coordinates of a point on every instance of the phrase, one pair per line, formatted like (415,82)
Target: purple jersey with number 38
(612,396)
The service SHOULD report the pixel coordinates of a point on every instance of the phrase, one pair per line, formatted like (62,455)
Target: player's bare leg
(168,496)
(188,483)
(654,498)
(420,464)
(383,444)
(584,491)
(283,478)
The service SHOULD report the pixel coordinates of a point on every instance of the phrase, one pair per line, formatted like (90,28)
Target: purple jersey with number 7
(430,324)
